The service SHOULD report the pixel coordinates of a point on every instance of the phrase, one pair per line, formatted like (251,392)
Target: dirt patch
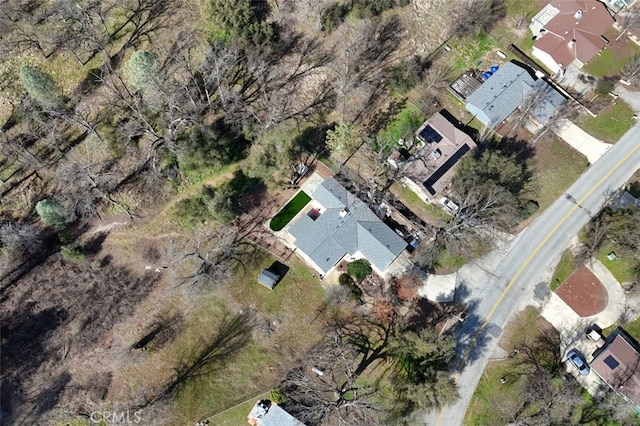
(523,329)
(584,292)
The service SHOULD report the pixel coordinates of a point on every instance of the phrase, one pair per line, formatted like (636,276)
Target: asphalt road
(510,286)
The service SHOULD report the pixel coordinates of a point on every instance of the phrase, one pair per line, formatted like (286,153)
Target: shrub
(605,85)
(365,9)
(359,269)
(240,19)
(72,253)
(52,213)
(356,292)
(332,16)
(529,208)
(212,203)
(346,281)
(277,396)
(405,75)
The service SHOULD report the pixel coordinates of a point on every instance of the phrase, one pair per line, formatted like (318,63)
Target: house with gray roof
(266,413)
(339,225)
(509,88)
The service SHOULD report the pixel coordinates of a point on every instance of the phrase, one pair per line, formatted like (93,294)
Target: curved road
(511,283)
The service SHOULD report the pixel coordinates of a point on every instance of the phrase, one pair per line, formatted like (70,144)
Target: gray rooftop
(346,226)
(625,200)
(268,279)
(551,100)
(266,413)
(505,90)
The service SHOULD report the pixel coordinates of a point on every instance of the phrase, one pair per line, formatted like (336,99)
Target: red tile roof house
(570,32)
(618,364)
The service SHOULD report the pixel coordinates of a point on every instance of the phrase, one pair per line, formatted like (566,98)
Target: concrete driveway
(581,141)
(572,327)
(629,96)
(439,288)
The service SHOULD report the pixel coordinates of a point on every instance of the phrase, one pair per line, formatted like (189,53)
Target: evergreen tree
(343,140)
(141,70)
(41,87)
(52,213)
(237,19)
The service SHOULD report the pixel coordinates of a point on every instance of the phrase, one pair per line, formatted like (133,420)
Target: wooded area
(165,115)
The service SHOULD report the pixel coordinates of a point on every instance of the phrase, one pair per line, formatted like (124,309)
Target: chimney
(572,42)
(578,15)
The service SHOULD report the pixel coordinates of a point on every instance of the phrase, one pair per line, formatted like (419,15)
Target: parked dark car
(579,362)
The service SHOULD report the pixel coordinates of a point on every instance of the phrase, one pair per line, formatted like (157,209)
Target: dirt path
(192,190)
(123,222)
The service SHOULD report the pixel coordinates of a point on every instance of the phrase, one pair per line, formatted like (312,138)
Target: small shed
(268,279)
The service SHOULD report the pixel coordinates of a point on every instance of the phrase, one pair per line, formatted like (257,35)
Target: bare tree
(628,20)
(19,238)
(631,70)
(595,234)
(340,377)
(327,390)
(437,76)
(471,17)
(210,257)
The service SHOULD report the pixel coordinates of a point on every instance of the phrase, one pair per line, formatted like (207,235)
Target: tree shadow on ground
(25,347)
(94,245)
(473,332)
(48,398)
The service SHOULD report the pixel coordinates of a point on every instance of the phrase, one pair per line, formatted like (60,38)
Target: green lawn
(467,51)
(403,125)
(236,415)
(290,310)
(516,8)
(610,124)
(565,268)
(291,209)
(555,167)
(506,32)
(632,327)
(492,400)
(430,213)
(491,393)
(449,262)
(611,60)
(621,267)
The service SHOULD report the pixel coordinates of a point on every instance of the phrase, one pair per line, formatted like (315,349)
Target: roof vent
(578,15)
